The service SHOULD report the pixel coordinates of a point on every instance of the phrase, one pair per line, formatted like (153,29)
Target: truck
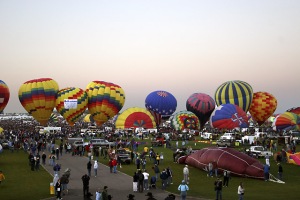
(225,143)
(258,151)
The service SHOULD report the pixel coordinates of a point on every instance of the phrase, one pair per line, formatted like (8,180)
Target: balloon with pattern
(295,110)
(4,95)
(287,121)
(185,120)
(38,97)
(202,105)
(105,100)
(236,92)
(263,106)
(71,103)
(135,117)
(161,103)
(228,116)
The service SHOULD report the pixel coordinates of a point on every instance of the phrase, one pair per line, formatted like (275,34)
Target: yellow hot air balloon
(105,100)
(71,103)
(38,97)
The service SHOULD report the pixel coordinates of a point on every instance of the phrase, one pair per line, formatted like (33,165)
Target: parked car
(123,155)
(258,151)
(225,143)
(101,142)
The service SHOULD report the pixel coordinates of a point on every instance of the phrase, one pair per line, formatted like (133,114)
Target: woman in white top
(241,191)
(96,167)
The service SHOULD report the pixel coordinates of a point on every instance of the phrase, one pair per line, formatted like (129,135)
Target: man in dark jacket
(86,181)
(89,167)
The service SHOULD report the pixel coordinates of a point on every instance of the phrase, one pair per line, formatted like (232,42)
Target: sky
(182,47)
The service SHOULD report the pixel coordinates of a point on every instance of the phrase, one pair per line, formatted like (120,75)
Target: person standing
(218,188)
(241,191)
(58,189)
(226,178)
(64,183)
(280,171)
(89,167)
(183,188)
(105,194)
(156,171)
(267,159)
(86,181)
(186,174)
(140,181)
(114,164)
(135,182)
(110,164)
(44,156)
(266,172)
(210,169)
(96,167)
(146,177)
(2,177)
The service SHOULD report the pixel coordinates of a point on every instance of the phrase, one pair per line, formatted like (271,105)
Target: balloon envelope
(135,117)
(4,95)
(71,103)
(287,121)
(295,110)
(202,105)
(105,100)
(38,97)
(228,116)
(263,106)
(185,120)
(237,92)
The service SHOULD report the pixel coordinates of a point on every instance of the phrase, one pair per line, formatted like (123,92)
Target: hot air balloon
(105,100)
(71,103)
(135,117)
(239,93)
(263,106)
(202,105)
(185,120)
(4,95)
(160,103)
(88,118)
(287,121)
(38,97)
(295,110)
(228,116)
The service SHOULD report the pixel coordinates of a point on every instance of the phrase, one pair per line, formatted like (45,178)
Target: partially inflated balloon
(202,105)
(238,93)
(105,100)
(4,95)
(228,116)
(71,103)
(135,117)
(263,106)
(38,97)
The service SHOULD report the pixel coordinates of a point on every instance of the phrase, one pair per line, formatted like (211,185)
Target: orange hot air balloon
(105,100)
(38,97)
(71,103)
(262,107)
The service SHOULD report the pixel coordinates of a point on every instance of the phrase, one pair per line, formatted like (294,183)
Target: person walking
(135,182)
(96,167)
(183,188)
(105,194)
(140,181)
(64,183)
(218,188)
(186,174)
(241,191)
(44,156)
(146,177)
(89,168)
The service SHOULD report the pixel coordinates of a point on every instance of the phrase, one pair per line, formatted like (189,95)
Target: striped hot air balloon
(105,100)
(263,106)
(71,103)
(38,97)
(287,121)
(4,95)
(237,92)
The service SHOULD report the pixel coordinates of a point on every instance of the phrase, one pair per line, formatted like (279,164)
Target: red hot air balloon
(4,95)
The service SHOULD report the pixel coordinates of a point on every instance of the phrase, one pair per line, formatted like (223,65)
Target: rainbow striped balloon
(237,92)
(4,95)
(38,97)
(105,100)
(71,103)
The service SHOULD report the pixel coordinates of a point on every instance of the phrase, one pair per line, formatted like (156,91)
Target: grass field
(22,183)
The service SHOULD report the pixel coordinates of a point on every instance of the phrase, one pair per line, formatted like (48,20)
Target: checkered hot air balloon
(105,100)
(71,103)
(237,92)
(185,120)
(38,97)
(263,106)
(4,95)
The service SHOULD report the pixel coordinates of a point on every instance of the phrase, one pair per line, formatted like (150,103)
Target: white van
(228,136)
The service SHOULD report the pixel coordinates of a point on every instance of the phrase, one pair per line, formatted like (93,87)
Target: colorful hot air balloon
(238,93)
(263,106)
(295,110)
(160,103)
(228,116)
(135,117)
(202,105)
(105,100)
(88,118)
(4,95)
(185,120)
(287,121)
(38,97)
(71,103)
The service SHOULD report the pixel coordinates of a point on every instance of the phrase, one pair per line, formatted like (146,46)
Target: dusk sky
(182,47)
